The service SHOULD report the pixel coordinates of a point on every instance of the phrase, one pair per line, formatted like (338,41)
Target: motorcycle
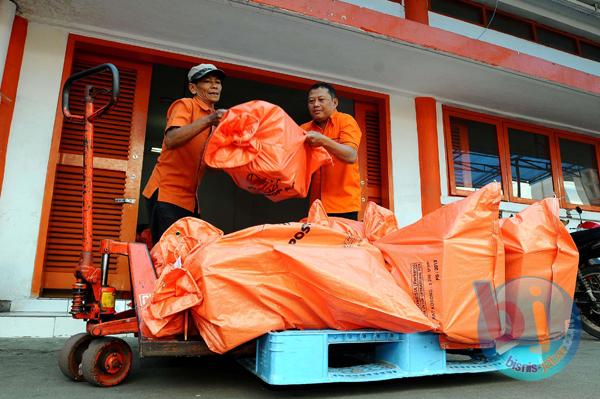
(587,290)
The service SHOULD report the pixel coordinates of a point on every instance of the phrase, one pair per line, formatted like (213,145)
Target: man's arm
(178,136)
(346,153)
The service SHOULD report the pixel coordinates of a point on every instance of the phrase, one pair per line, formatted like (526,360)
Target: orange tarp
(451,261)
(263,150)
(445,272)
(538,246)
(285,276)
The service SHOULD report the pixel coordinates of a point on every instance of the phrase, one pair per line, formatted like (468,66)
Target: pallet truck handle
(88,72)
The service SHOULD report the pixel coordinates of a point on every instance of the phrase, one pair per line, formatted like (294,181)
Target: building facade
(450,95)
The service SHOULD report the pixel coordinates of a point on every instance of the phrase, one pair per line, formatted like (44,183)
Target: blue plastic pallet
(302,357)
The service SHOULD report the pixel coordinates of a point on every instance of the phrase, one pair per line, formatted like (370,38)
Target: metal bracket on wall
(124,200)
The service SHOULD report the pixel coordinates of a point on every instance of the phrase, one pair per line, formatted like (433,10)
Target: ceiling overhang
(267,37)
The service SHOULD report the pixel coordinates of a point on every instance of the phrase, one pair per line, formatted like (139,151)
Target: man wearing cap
(338,184)
(172,187)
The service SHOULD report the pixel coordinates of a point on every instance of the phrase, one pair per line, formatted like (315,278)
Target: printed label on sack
(351,240)
(304,230)
(423,277)
(266,186)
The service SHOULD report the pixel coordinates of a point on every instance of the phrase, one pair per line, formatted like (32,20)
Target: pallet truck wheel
(69,357)
(106,362)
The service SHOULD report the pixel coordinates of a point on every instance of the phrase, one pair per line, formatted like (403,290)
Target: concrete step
(43,318)
(39,324)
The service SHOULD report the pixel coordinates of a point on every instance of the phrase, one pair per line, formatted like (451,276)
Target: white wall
(384,6)
(27,157)
(7,15)
(405,160)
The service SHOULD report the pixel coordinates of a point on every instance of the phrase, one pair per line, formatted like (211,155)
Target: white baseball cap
(199,71)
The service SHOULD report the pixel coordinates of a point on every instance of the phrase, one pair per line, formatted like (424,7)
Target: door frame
(152,56)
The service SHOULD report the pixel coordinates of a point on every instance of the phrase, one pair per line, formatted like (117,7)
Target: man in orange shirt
(172,187)
(339,134)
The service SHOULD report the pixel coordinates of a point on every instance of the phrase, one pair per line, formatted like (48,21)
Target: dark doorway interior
(222,203)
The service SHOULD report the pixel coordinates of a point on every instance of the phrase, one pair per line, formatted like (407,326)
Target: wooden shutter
(118,149)
(460,153)
(372,146)
(63,244)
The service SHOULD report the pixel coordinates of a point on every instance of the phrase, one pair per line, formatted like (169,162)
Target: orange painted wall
(429,163)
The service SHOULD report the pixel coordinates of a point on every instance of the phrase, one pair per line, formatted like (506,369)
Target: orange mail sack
(175,288)
(539,251)
(450,262)
(179,239)
(263,151)
(377,221)
(317,215)
(286,276)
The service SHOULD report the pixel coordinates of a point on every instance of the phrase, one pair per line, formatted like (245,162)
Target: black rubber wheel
(590,318)
(106,362)
(69,357)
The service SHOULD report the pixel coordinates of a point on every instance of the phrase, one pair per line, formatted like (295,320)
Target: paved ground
(28,369)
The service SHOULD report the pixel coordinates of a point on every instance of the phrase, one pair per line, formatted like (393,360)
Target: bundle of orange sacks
(443,273)
(261,147)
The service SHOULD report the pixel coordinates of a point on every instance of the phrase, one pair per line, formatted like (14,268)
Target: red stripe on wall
(10,80)
(438,39)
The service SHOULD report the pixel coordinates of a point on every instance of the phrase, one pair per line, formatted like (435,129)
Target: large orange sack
(451,262)
(175,288)
(175,291)
(539,251)
(286,276)
(179,239)
(263,151)
(377,221)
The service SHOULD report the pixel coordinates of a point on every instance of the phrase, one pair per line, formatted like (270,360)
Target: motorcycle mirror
(579,211)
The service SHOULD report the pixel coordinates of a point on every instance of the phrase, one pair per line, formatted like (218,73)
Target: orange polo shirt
(179,171)
(340,182)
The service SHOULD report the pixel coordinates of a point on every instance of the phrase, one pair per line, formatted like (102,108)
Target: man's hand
(215,117)
(178,136)
(343,152)
(315,139)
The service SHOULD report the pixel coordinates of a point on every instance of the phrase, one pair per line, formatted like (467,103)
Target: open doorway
(123,143)
(222,203)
